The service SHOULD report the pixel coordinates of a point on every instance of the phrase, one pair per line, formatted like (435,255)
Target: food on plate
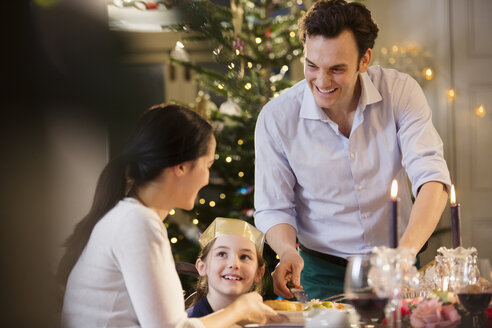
(284,305)
(315,303)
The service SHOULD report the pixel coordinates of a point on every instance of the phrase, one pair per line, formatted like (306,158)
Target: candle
(455,219)
(393,226)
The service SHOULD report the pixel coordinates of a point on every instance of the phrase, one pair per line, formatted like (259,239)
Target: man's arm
(425,215)
(282,239)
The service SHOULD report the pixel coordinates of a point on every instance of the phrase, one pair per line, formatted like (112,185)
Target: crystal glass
(360,293)
(393,272)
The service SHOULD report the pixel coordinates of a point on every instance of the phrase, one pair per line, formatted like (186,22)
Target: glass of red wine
(360,294)
(475,300)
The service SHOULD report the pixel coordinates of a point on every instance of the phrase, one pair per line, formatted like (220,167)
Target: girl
(118,267)
(230,264)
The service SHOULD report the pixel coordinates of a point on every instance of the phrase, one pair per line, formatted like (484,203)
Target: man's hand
(288,269)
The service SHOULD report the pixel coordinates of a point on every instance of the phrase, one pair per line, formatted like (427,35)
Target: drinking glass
(359,292)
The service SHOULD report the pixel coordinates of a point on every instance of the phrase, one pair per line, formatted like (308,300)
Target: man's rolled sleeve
(421,146)
(274,179)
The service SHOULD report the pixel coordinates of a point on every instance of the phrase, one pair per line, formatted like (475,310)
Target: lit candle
(455,219)
(393,226)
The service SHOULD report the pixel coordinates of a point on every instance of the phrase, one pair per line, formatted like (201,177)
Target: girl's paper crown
(226,226)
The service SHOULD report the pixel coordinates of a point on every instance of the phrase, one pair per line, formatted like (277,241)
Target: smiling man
(328,148)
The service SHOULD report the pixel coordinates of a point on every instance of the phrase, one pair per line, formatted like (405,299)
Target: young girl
(230,264)
(118,267)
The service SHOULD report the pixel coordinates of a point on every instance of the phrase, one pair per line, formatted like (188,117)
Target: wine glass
(359,292)
(474,293)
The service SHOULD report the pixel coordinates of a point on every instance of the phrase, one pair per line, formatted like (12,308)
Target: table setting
(385,289)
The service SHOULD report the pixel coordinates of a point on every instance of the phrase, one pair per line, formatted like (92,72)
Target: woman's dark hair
(165,135)
(202,283)
(329,18)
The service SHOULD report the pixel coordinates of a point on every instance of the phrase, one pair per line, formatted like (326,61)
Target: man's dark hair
(329,18)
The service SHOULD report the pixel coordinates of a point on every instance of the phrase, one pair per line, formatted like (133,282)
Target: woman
(118,268)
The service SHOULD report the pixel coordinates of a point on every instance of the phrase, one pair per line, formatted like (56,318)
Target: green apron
(320,278)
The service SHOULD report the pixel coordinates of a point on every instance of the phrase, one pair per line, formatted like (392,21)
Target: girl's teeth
(231,278)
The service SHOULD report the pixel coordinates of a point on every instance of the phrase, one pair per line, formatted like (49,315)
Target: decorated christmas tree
(253,42)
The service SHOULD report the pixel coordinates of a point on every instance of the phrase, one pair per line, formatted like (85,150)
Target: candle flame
(452,198)
(394,189)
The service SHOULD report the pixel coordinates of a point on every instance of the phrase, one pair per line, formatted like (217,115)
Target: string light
(220,86)
(174,240)
(228,159)
(217,156)
(231,66)
(240,174)
(211,203)
(428,73)
(292,34)
(480,111)
(394,48)
(250,65)
(237,52)
(240,142)
(247,86)
(258,40)
(451,94)
(222,196)
(195,221)
(202,201)
(166,225)
(384,51)
(172,212)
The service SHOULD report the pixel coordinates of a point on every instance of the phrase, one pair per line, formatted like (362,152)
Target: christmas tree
(253,43)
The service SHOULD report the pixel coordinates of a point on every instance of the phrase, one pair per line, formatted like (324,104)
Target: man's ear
(201,267)
(365,61)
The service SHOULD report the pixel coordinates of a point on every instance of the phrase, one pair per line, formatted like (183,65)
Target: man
(328,148)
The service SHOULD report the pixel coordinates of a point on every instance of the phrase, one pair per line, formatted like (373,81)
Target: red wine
(475,302)
(369,307)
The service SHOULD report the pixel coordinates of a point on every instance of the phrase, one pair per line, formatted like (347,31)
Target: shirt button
(366,215)
(352,155)
(359,187)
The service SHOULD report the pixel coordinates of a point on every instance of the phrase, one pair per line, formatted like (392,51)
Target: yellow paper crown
(226,226)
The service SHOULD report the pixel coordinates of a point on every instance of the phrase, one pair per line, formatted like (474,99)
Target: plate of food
(293,311)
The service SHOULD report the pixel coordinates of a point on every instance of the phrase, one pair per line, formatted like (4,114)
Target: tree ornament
(180,53)
(204,106)
(229,107)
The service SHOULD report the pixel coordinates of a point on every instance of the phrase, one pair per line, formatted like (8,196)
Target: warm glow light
(237,52)
(222,196)
(202,201)
(480,111)
(211,203)
(240,174)
(394,189)
(179,44)
(394,48)
(258,40)
(445,284)
(195,221)
(384,51)
(240,142)
(452,196)
(428,74)
(228,159)
(292,34)
(172,212)
(247,86)
(174,240)
(231,66)
(451,94)
(250,65)
(220,86)
(284,69)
